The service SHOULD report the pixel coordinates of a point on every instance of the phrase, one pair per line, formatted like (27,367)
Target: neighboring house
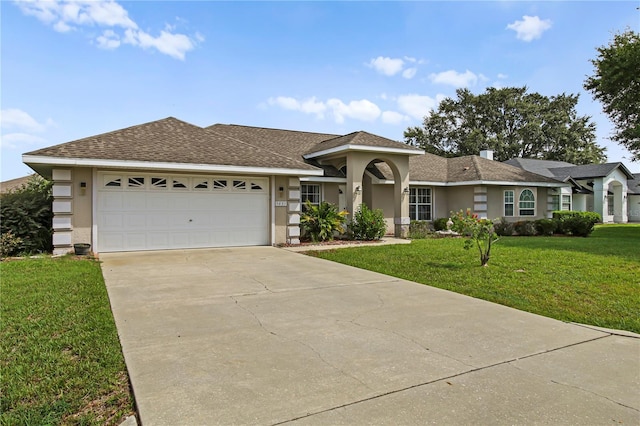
(13,184)
(633,199)
(606,189)
(169,184)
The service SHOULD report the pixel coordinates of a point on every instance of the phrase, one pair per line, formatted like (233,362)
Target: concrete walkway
(265,336)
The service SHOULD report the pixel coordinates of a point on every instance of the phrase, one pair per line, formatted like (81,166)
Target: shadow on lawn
(621,241)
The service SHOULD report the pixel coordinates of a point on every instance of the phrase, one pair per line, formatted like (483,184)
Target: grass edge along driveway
(593,280)
(60,356)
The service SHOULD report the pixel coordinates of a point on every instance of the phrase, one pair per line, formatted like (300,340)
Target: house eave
(39,162)
(477,182)
(362,148)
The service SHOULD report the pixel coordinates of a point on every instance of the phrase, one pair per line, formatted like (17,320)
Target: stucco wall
(382,198)
(81,219)
(281,194)
(440,199)
(633,204)
(459,198)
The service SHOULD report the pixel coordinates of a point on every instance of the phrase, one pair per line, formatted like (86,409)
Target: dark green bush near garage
(26,219)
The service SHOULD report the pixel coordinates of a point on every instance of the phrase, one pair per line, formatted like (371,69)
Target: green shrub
(545,226)
(579,224)
(9,244)
(26,214)
(322,221)
(419,229)
(525,228)
(440,224)
(368,224)
(479,232)
(504,228)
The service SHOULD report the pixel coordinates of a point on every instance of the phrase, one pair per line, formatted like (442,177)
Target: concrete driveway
(265,336)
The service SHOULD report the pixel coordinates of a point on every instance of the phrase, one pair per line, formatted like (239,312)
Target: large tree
(513,123)
(616,83)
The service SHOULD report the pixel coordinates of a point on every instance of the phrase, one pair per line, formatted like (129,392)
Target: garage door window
(136,182)
(182,183)
(157,182)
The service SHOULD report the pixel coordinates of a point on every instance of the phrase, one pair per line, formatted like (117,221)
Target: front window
(566,202)
(527,203)
(610,208)
(310,192)
(508,203)
(555,203)
(420,203)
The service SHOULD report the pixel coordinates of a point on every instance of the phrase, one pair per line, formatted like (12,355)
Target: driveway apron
(261,335)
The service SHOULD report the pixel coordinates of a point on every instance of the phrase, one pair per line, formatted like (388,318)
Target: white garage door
(156,211)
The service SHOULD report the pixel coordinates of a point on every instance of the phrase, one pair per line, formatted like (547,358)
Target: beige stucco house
(170,184)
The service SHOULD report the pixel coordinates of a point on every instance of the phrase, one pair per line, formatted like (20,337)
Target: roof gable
(359,139)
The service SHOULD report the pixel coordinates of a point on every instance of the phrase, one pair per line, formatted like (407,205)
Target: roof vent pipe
(487,153)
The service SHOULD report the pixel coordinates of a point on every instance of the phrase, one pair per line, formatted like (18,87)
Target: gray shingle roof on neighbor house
(172,141)
(540,167)
(588,171)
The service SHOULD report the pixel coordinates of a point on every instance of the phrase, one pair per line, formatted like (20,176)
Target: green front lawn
(594,280)
(60,356)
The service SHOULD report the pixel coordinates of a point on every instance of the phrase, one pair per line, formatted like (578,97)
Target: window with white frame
(508,203)
(420,204)
(527,203)
(610,205)
(311,192)
(555,203)
(566,202)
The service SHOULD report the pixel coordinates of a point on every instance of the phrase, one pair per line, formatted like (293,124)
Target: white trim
(94,210)
(323,179)
(272,201)
(363,148)
(147,165)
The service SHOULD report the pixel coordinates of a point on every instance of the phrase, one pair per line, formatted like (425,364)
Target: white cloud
(13,118)
(68,15)
(530,28)
(456,79)
(416,106)
(308,106)
(18,140)
(363,110)
(502,76)
(386,66)
(108,40)
(409,73)
(393,117)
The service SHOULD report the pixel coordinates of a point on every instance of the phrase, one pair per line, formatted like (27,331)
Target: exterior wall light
(358,190)
(406,190)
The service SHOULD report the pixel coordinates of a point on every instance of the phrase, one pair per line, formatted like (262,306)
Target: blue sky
(72,69)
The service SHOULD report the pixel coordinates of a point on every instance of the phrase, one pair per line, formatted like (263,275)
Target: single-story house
(169,184)
(608,189)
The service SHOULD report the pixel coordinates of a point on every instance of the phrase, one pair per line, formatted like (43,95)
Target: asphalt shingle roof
(360,138)
(470,168)
(540,167)
(634,184)
(173,141)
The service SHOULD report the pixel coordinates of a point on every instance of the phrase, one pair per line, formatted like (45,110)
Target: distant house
(169,184)
(13,184)
(608,189)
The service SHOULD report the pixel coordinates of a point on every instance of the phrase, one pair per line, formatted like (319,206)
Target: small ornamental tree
(479,232)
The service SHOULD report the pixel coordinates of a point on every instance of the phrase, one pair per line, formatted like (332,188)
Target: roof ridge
(253,146)
(272,128)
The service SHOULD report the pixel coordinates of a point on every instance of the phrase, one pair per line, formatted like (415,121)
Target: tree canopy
(616,83)
(513,123)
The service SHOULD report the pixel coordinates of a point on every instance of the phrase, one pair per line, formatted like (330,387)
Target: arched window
(527,203)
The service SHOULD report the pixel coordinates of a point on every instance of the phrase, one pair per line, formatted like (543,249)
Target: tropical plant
(368,224)
(479,232)
(321,221)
